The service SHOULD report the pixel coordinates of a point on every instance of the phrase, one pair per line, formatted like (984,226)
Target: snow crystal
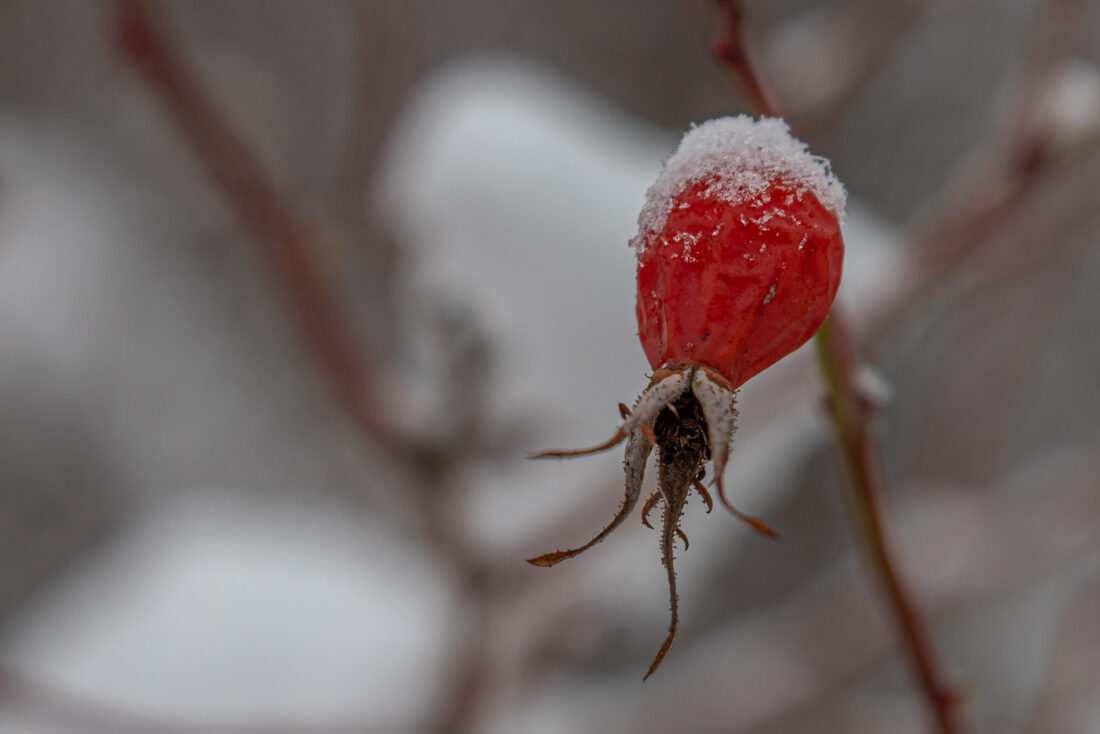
(741,156)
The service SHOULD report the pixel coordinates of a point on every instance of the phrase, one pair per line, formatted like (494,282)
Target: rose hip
(739,258)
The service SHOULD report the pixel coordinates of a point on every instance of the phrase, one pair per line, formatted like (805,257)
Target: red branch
(285,242)
(975,206)
(729,51)
(851,416)
(276,228)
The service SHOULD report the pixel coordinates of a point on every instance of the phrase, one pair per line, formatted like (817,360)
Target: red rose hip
(739,249)
(739,255)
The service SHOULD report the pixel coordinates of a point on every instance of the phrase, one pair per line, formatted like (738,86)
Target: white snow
(739,157)
(1072,104)
(222,610)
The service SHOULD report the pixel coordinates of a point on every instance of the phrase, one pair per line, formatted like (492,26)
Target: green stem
(850,412)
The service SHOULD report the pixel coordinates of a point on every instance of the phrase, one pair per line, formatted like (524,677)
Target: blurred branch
(850,412)
(286,242)
(858,39)
(387,60)
(866,35)
(277,229)
(730,52)
(783,668)
(969,210)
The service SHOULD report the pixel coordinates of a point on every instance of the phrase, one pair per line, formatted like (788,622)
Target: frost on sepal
(719,408)
(718,402)
(638,449)
(662,391)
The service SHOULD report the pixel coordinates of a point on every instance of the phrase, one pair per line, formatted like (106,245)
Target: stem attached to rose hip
(850,412)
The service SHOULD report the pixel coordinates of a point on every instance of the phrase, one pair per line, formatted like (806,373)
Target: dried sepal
(637,452)
(670,527)
(688,414)
(682,440)
(719,403)
(665,387)
(648,507)
(698,486)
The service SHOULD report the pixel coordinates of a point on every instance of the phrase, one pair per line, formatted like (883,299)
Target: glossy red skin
(710,305)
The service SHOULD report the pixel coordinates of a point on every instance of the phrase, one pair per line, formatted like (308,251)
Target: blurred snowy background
(197,536)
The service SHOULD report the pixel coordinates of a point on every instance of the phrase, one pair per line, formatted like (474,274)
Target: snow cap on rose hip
(739,249)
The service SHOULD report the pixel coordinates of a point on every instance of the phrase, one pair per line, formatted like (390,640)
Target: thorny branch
(851,415)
